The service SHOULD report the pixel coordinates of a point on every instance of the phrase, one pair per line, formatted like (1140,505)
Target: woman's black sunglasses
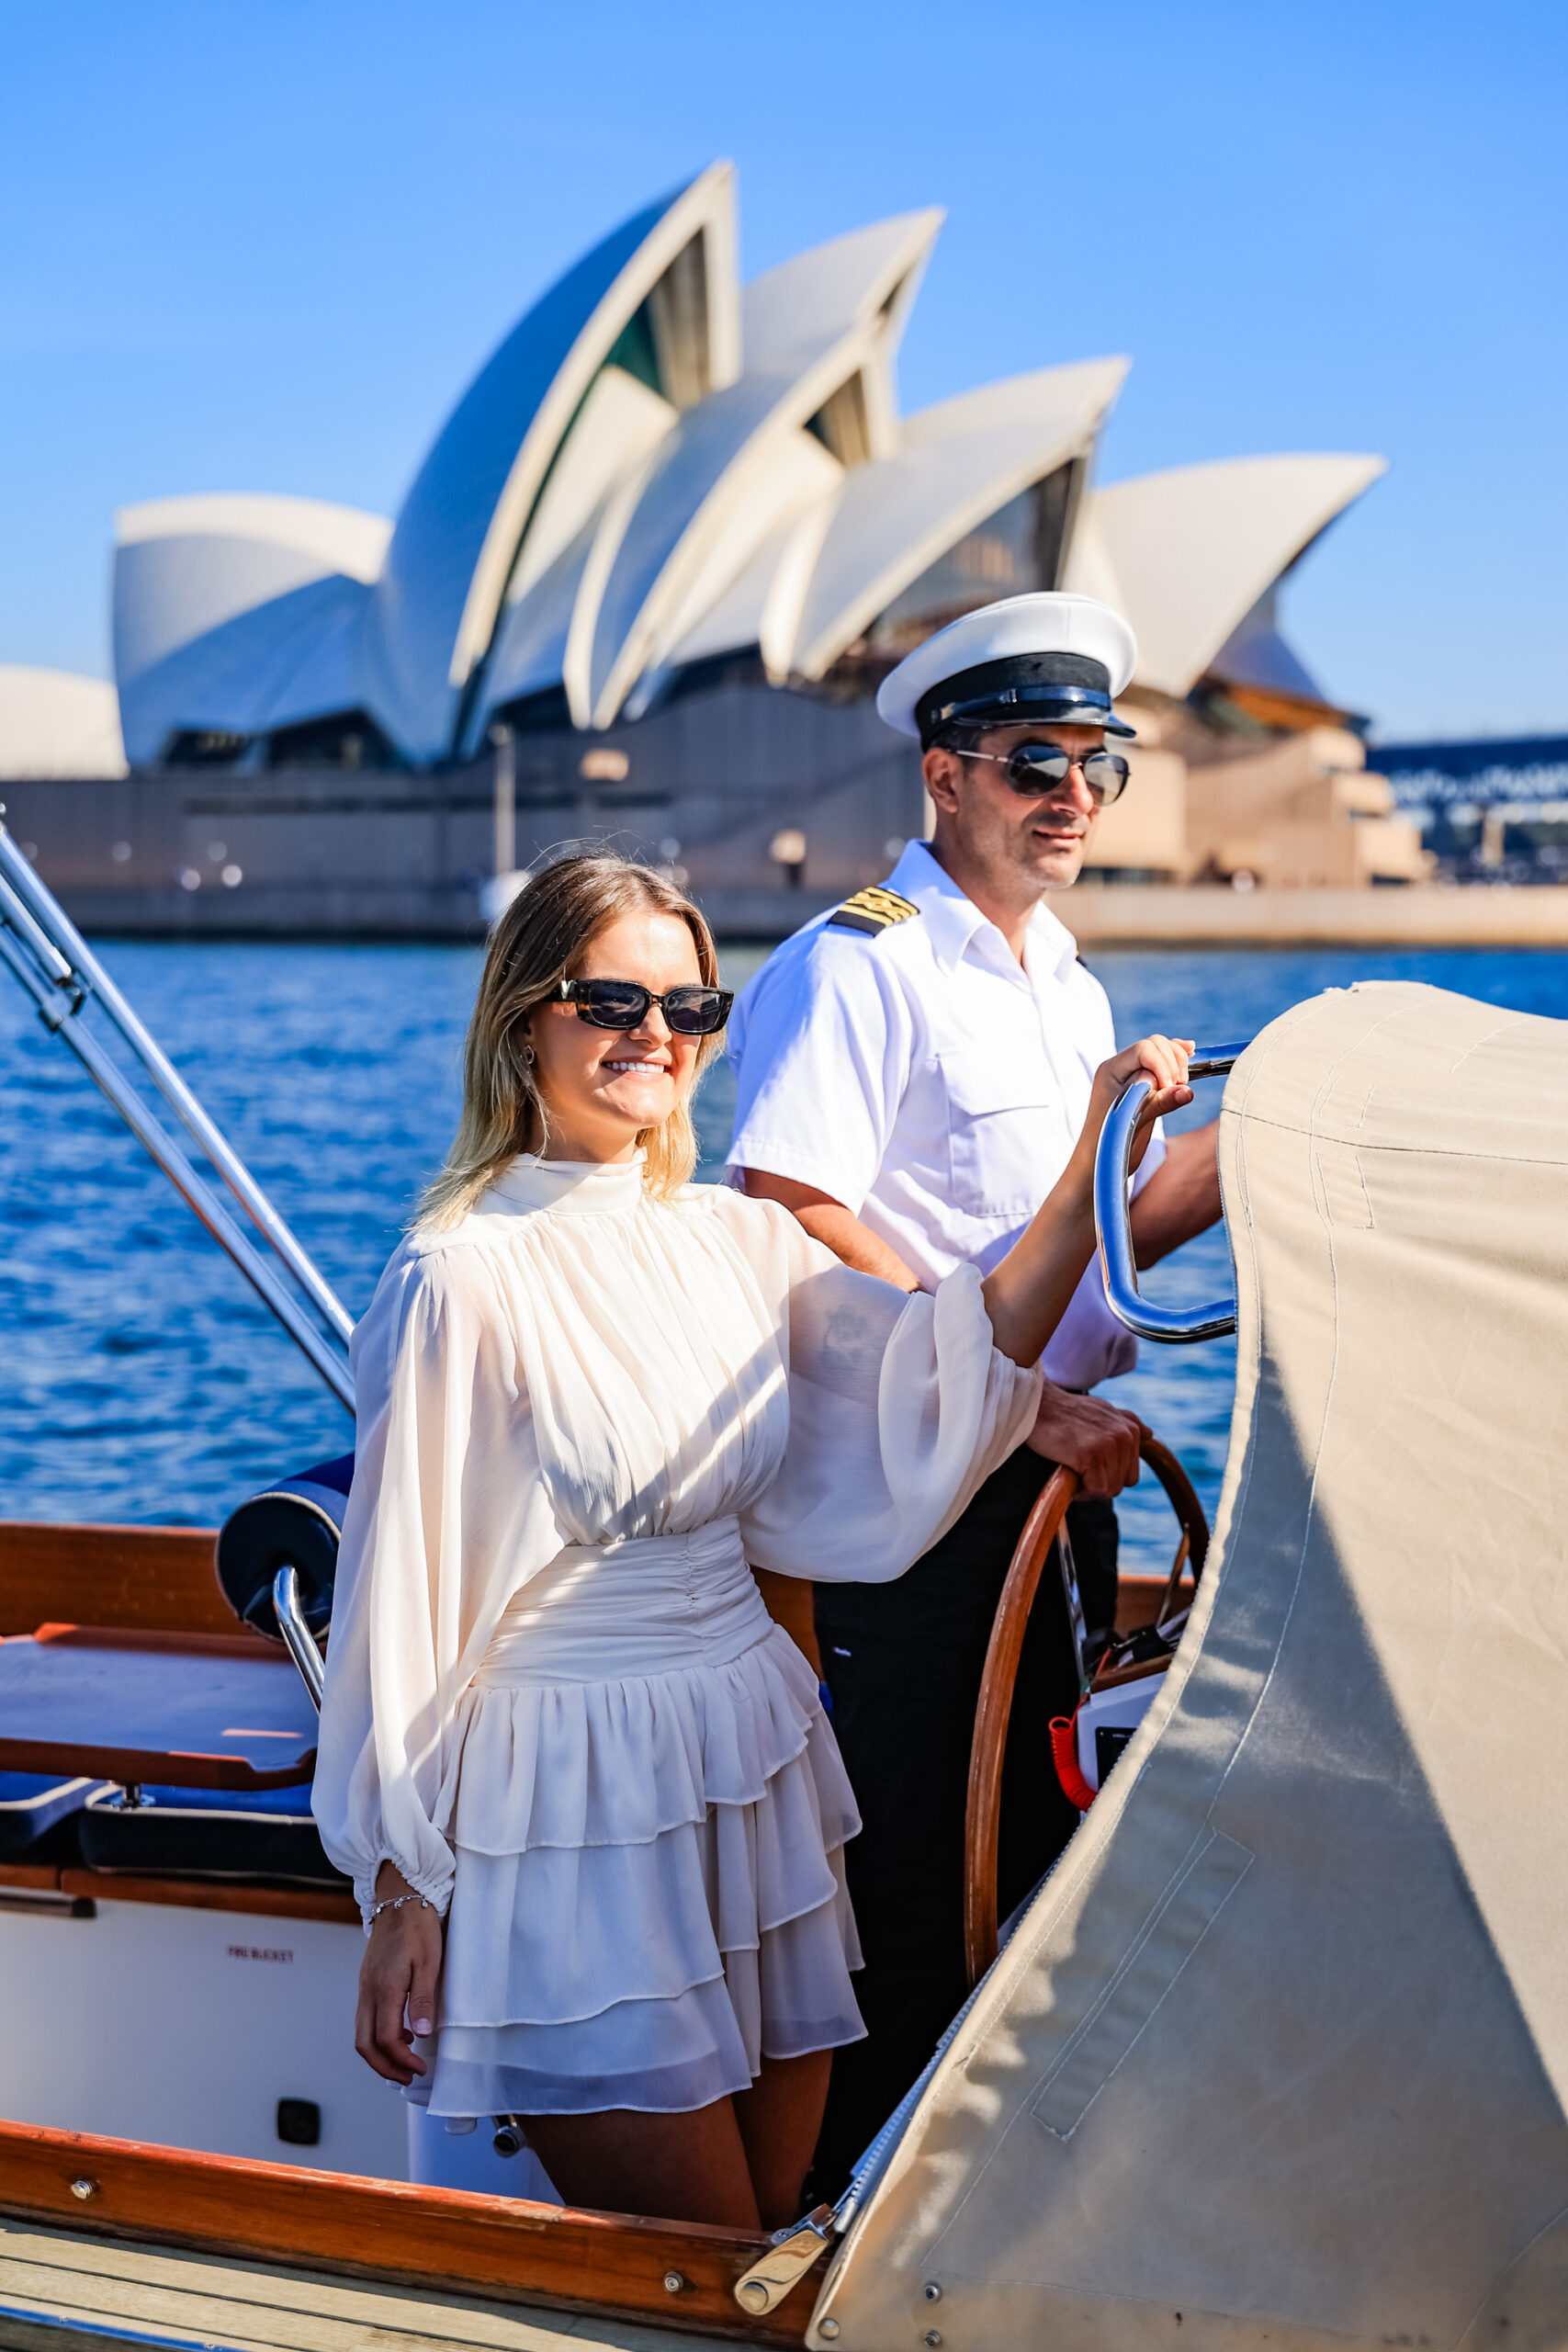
(691,1010)
(1035,768)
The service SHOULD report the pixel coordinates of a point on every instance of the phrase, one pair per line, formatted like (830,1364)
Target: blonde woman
(590,1801)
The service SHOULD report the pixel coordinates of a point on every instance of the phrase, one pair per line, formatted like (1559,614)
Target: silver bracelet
(395,1903)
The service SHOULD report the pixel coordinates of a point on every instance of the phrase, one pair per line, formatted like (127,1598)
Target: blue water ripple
(144,1383)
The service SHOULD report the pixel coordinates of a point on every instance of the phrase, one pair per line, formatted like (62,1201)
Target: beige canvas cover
(1279,2056)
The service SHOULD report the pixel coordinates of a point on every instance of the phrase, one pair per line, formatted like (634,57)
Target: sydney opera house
(643,587)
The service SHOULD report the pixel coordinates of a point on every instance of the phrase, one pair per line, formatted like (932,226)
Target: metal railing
(51,961)
(1113,1218)
(297,1637)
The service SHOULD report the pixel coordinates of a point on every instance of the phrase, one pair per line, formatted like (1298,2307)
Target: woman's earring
(529,1056)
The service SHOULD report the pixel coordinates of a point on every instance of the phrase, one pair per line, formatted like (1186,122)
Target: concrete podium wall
(711,781)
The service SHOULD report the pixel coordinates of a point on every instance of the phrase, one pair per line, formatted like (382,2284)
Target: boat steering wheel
(982,1818)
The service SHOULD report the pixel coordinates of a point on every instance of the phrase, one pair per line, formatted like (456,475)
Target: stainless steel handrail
(296,1633)
(1112,1219)
(54,964)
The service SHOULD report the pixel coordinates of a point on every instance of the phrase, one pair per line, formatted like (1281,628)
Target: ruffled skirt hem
(699,1922)
(658,2057)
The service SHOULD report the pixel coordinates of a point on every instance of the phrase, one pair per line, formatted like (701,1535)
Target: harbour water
(143,1382)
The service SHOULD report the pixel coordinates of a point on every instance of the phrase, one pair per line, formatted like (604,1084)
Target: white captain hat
(1050,659)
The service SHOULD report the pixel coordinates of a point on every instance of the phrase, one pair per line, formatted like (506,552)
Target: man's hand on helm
(1099,1440)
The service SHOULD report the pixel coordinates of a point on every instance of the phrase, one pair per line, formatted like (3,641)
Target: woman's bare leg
(689,2167)
(779,2119)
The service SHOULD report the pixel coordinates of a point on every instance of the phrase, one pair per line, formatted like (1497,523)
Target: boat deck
(60,2288)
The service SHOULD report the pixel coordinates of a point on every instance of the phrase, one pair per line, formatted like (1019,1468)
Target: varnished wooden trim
(444,2238)
(211,1894)
(239,1642)
(1115,1677)
(158,1577)
(1182,1497)
(1140,1602)
(1140,1598)
(983,1819)
(160,1767)
(183,1894)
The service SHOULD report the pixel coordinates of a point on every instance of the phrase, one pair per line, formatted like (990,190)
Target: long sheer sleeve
(899,1408)
(447,1515)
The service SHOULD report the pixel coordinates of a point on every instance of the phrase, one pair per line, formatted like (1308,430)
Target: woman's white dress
(554,1698)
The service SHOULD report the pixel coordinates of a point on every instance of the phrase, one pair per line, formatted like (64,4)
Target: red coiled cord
(1065,1756)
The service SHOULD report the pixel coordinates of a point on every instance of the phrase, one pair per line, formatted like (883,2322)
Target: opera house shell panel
(662,553)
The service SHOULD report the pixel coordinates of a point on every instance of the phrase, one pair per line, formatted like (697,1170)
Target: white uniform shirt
(933,1085)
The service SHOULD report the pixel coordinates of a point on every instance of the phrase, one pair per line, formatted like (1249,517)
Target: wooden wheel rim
(983,1815)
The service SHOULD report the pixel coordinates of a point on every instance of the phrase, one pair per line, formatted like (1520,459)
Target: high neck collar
(569,1187)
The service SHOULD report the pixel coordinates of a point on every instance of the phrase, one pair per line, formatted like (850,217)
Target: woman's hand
(1162,1059)
(1028,1294)
(397,1982)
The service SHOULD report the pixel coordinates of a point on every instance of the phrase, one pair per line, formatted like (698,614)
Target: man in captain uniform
(912,1073)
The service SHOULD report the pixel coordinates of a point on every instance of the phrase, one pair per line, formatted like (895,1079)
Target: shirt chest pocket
(1009,1137)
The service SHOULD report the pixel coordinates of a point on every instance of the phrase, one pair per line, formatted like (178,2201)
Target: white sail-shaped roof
(824,575)
(462,524)
(185,565)
(866,278)
(820,334)
(620,424)
(188,570)
(530,654)
(956,464)
(762,604)
(859,286)
(712,494)
(656,468)
(794,482)
(697,509)
(53,723)
(1186,554)
(1278,2054)
(293,658)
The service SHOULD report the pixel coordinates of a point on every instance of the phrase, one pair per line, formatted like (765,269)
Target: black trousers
(903,1662)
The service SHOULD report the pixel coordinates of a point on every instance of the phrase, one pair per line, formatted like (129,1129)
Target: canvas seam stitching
(1416,1150)
(1508,1021)
(1183,1871)
(1210,1841)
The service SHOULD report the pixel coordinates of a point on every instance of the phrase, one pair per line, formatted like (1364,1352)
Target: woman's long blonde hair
(536,944)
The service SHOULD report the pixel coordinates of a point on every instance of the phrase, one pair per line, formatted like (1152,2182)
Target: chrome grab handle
(297,1633)
(55,965)
(1112,1219)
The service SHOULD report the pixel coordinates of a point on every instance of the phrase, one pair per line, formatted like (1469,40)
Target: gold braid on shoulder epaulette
(871,910)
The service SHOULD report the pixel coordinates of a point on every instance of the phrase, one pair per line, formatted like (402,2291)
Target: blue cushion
(207,1833)
(32,1803)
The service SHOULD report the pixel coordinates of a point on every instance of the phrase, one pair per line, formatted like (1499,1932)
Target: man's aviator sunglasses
(1037,768)
(691,1010)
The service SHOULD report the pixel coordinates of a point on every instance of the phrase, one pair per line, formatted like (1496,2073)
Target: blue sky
(262,244)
